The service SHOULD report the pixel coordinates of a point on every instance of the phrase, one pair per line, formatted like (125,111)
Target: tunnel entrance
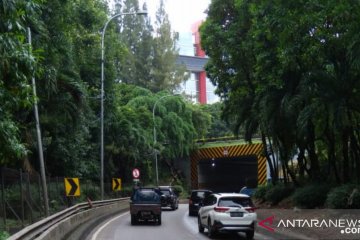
(228,174)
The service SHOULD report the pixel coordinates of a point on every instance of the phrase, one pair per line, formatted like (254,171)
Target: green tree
(166,73)
(219,127)
(130,139)
(287,70)
(66,86)
(135,32)
(16,68)
(65,60)
(149,59)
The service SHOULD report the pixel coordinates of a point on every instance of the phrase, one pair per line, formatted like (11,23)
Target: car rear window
(235,202)
(199,195)
(165,192)
(146,196)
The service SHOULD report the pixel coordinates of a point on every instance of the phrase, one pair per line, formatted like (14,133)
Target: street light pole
(154,131)
(38,134)
(103,93)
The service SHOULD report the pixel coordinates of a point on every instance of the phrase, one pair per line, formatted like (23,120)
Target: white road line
(107,223)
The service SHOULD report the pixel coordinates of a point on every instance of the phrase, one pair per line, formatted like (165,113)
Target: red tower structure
(199,52)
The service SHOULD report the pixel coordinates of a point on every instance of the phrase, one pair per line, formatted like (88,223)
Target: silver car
(227,212)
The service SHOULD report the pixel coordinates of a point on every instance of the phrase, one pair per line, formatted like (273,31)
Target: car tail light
(221,209)
(190,201)
(250,209)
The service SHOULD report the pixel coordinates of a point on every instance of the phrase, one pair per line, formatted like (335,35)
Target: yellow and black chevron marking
(229,151)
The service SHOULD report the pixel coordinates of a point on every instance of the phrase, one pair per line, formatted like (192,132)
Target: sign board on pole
(135,173)
(116,184)
(72,187)
(226,151)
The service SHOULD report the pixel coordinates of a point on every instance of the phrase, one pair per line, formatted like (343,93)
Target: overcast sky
(182,13)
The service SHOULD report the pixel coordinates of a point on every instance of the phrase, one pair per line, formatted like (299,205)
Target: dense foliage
(16,70)
(311,196)
(64,59)
(219,127)
(289,70)
(130,139)
(344,197)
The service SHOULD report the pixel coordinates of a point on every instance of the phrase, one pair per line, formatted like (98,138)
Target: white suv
(227,212)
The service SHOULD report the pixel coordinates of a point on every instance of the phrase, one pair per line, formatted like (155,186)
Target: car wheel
(200,226)
(250,235)
(211,230)
(159,219)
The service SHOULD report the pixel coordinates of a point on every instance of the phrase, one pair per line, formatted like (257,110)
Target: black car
(145,205)
(196,197)
(168,197)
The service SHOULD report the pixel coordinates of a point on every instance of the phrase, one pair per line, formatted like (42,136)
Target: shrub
(178,189)
(277,193)
(311,196)
(354,199)
(4,235)
(92,192)
(127,191)
(345,196)
(55,205)
(261,191)
(12,193)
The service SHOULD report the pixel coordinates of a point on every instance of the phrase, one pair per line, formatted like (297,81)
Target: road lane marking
(94,237)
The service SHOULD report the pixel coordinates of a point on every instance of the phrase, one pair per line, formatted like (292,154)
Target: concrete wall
(80,225)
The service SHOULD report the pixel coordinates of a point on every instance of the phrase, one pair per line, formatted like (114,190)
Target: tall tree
(65,86)
(166,73)
(16,68)
(300,84)
(135,33)
(130,141)
(150,57)
(219,127)
(66,63)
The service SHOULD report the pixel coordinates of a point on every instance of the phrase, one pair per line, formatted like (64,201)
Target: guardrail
(42,228)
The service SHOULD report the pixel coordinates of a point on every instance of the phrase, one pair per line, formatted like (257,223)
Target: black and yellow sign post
(72,187)
(116,184)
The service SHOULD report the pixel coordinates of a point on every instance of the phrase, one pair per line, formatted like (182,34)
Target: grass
(226,143)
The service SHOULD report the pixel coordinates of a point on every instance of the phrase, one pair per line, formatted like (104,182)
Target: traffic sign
(226,151)
(72,187)
(136,173)
(116,184)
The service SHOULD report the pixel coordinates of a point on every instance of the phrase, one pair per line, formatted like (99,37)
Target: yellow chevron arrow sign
(72,187)
(116,184)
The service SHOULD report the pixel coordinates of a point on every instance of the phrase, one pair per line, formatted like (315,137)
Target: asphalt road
(176,225)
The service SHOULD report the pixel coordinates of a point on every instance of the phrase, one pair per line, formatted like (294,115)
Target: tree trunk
(268,158)
(355,149)
(332,155)
(275,161)
(314,162)
(301,163)
(345,149)
(292,175)
(354,135)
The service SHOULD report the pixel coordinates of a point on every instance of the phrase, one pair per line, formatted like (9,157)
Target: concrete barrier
(79,225)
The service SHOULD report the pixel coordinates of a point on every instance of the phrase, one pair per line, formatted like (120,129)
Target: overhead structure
(228,168)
